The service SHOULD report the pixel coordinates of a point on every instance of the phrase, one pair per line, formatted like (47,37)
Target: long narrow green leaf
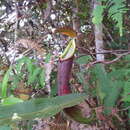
(10,100)
(5,83)
(42,78)
(43,107)
(30,66)
(48,56)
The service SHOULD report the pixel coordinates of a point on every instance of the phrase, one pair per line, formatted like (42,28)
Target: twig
(106,62)
(27,52)
(124,109)
(17,22)
(47,11)
(88,51)
(115,52)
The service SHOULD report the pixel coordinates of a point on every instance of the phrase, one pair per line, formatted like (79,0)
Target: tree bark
(98,36)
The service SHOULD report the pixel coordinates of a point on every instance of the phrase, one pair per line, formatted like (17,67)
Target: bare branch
(106,62)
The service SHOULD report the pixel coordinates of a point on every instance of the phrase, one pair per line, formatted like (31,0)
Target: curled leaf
(69,50)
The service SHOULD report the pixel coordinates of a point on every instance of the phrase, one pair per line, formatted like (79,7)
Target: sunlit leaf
(43,107)
(10,100)
(5,83)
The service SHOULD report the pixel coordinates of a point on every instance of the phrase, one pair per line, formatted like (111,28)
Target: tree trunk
(98,36)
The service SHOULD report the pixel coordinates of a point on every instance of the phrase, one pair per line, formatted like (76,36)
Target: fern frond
(116,10)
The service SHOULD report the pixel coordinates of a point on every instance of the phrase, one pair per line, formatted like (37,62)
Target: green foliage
(4,84)
(43,107)
(33,75)
(27,68)
(116,10)
(48,56)
(129,114)
(84,9)
(10,100)
(80,76)
(103,83)
(83,59)
(108,89)
(122,74)
(111,82)
(112,97)
(126,93)
(5,128)
(98,14)
(42,78)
